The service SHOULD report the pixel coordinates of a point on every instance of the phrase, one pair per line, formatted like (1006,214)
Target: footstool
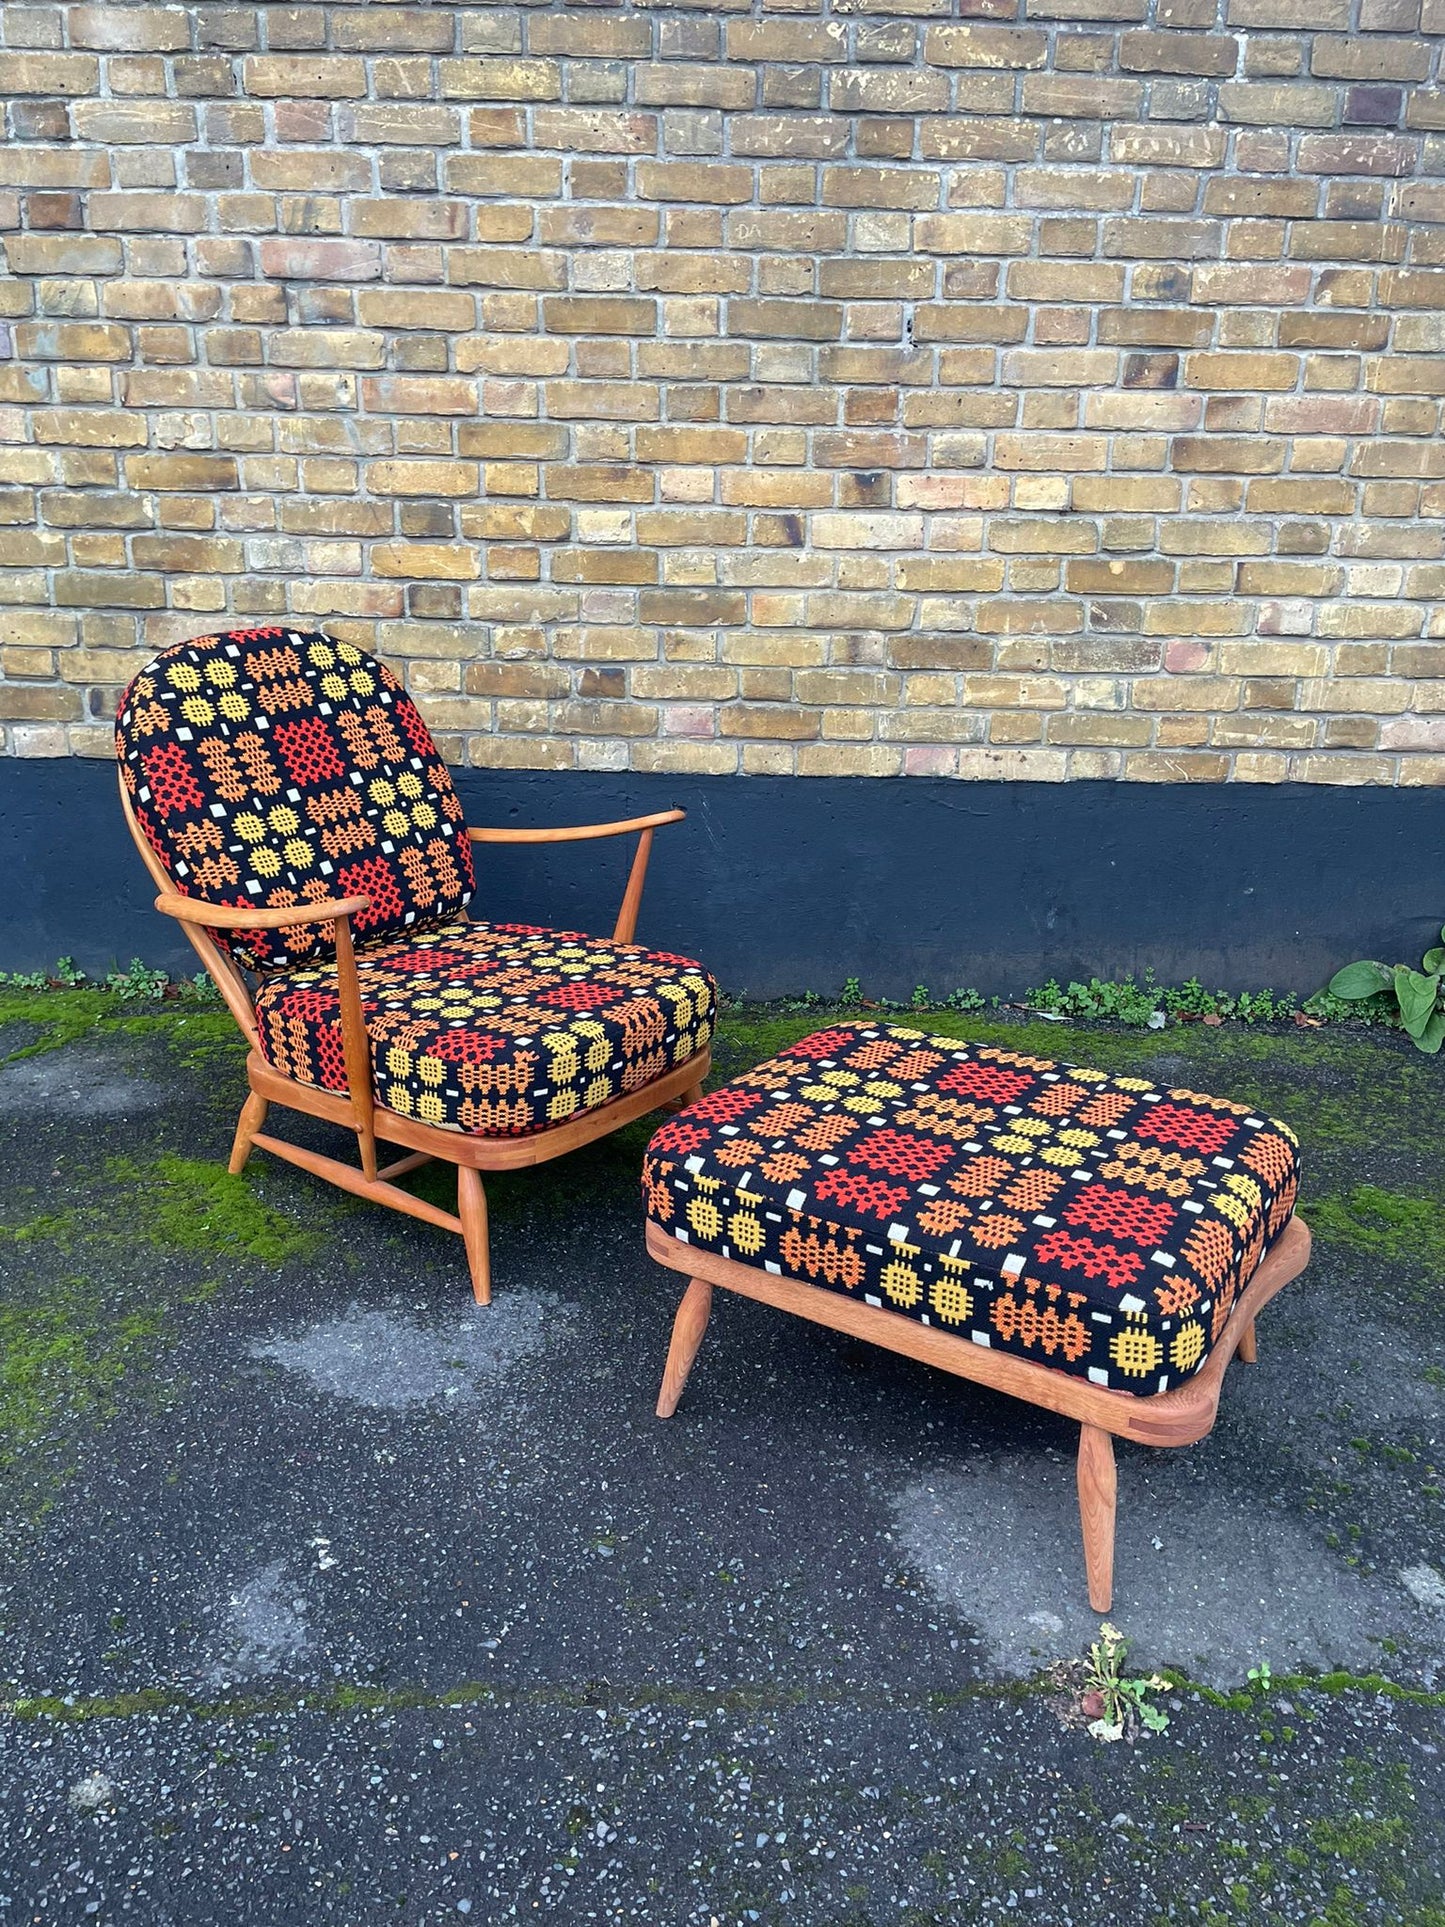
(1093,1244)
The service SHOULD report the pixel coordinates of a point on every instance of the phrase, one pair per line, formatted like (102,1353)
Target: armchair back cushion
(273,767)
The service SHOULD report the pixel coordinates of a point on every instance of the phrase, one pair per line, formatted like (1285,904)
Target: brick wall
(1051,391)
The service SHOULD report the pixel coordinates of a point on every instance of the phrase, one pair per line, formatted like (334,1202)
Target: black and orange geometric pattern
(495,1029)
(1096,1224)
(274,767)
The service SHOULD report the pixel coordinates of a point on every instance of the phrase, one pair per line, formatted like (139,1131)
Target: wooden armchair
(288,801)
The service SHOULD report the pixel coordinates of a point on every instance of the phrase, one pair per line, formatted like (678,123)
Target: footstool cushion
(1099,1225)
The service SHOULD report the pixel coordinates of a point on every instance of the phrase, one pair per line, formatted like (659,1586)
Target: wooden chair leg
(253,1116)
(1097,1486)
(687,1330)
(1247,1350)
(472,1210)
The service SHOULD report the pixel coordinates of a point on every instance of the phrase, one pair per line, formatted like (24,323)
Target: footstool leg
(1247,1351)
(1097,1485)
(687,1330)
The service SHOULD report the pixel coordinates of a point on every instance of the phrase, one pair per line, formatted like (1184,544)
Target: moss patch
(61,1361)
(1396,1225)
(186,1204)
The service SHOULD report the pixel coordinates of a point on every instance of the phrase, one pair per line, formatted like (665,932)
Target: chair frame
(1178,1417)
(358,1110)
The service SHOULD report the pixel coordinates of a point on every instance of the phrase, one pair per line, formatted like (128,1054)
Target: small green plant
(66,973)
(137,980)
(1127,1002)
(1118,1705)
(852,991)
(1260,1677)
(965,998)
(199,989)
(1417,992)
(922,998)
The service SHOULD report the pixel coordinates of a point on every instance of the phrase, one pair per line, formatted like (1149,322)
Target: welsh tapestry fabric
(1096,1224)
(495,1028)
(272,767)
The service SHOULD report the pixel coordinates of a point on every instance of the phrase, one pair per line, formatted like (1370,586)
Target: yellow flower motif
(1135,1351)
(1246,1188)
(349,653)
(283,820)
(398,1061)
(845,1080)
(362,683)
(1007,1141)
(234,707)
(431,1070)
(598,1092)
(265,862)
(1030,1127)
(223,673)
(705,1218)
(183,675)
(381,791)
(423,815)
(1237,1212)
(334,688)
(860,1105)
(1058,1154)
(298,853)
(396,822)
(398,1098)
(902,1283)
(880,1087)
(1080,1140)
(197,710)
(746,1233)
(410,784)
(430,1108)
(1126,1083)
(320,655)
(820,1093)
(1188,1347)
(562,1104)
(951,1298)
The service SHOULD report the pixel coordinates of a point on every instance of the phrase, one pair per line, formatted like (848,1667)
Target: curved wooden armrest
(578,833)
(626,925)
(226,916)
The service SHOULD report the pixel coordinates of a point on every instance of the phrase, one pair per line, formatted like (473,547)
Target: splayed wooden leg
(687,1330)
(472,1210)
(1247,1350)
(1097,1488)
(253,1116)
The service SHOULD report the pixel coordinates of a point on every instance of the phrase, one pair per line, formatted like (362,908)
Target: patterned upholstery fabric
(270,767)
(1092,1223)
(496,1029)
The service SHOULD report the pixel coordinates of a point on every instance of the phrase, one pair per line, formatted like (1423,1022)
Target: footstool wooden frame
(1177,1417)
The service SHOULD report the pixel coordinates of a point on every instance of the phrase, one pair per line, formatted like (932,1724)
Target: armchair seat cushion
(496,1029)
(1099,1225)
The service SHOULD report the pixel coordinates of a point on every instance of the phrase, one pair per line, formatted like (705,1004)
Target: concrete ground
(327,1597)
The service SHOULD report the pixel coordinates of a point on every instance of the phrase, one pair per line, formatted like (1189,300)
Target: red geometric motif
(987,1081)
(308,751)
(375,879)
(1120,1214)
(864,1194)
(724,1106)
(900,1154)
(581,996)
(1117,1268)
(1192,1130)
(823,1043)
(170,781)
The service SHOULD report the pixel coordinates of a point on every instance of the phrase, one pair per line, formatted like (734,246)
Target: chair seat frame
(1178,1417)
(357,1109)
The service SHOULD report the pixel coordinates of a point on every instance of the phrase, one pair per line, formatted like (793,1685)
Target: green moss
(189,1205)
(1358,1840)
(63,1015)
(1405,1228)
(61,1361)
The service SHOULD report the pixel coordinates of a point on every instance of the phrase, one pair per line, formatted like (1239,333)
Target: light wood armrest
(626,925)
(227,916)
(578,833)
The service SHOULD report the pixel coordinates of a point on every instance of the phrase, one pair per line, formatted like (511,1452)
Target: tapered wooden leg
(253,1116)
(1097,1485)
(472,1210)
(687,1330)
(681,1103)
(1247,1350)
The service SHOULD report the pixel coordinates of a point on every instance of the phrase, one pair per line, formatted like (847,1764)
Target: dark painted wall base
(782,884)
